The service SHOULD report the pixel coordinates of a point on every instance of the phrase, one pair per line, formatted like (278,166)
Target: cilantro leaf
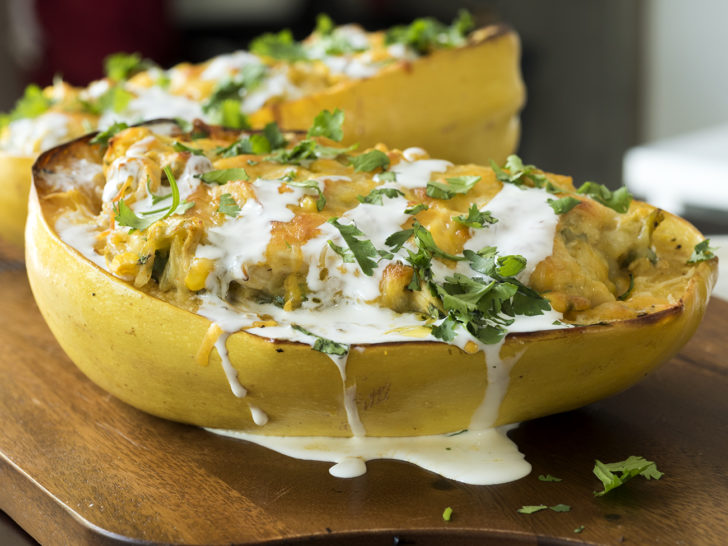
(324,345)
(425,34)
(104,136)
(446,329)
(475,218)
(398,239)
(116,99)
(548,478)
(563,205)
(511,265)
(32,104)
(375,197)
(122,66)
(530,509)
(328,125)
(618,200)
(324,24)
(124,216)
(627,469)
(560,508)
(363,249)
(579,529)
(275,138)
(416,209)
(278,46)
(369,161)
(702,252)
(458,185)
(257,144)
(387,176)
(228,205)
(520,174)
(346,255)
(624,296)
(223,176)
(313,185)
(178,146)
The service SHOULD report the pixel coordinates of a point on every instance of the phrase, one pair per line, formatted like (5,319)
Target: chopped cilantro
(447,514)
(104,136)
(32,104)
(231,115)
(369,161)
(446,329)
(627,469)
(122,66)
(520,174)
(328,125)
(375,197)
(223,176)
(124,216)
(563,205)
(313,185)
(618,200)
(387,176)
(278,46)
(178,146)
(362,249)
(624,296)
(324,25)
(224,103)
(458,185)
(416,209)
(702,252)
(425,34)
(530,509)
(579,529)
(560,508)
(475,218)
(548,478)
(228,205)
(257,144)
(324,345)
(116,99)
(346,255)
(275,138)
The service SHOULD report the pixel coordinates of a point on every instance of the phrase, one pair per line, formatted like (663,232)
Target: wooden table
(79,467)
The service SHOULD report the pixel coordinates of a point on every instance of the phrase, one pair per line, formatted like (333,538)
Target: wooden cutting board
(79,467)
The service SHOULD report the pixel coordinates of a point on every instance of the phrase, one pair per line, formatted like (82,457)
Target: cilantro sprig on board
(613,475)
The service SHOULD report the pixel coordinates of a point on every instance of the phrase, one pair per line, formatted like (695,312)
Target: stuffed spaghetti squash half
(286,284)
(453,89)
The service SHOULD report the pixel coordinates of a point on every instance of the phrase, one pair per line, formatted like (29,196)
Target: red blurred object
(78,34)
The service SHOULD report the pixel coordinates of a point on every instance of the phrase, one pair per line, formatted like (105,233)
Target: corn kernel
(197,275)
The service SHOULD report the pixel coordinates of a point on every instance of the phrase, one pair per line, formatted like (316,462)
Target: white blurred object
(720,243)
(688,170)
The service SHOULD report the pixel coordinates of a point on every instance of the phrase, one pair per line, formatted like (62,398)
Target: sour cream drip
(483,457)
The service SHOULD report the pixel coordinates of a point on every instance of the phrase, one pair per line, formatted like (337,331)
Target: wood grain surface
(79,467)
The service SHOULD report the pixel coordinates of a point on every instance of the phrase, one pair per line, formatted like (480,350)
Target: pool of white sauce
(480,455)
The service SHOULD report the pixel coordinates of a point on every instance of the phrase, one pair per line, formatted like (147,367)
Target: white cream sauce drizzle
(484,457)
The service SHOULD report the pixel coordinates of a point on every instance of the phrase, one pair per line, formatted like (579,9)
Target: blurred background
(603,76)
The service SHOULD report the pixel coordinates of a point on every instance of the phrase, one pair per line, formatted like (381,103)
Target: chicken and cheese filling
(296,237)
